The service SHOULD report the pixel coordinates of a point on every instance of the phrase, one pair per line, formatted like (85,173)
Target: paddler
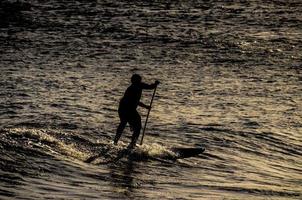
(127,108)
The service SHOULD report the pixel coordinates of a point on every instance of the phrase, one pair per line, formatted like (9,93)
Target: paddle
(148,115)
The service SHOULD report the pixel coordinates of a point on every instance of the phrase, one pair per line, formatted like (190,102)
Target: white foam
(155,150)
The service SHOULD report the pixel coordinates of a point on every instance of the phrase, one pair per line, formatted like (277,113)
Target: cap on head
(136,78)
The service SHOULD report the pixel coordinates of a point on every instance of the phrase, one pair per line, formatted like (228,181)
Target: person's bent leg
(134,138)
(136,125)
(119,131)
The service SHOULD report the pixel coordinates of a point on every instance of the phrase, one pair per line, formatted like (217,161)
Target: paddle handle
(148,115)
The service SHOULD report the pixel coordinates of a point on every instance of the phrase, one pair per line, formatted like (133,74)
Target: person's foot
(131,146)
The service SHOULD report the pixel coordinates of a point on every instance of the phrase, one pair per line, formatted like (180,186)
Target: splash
(110,153)
(155,150)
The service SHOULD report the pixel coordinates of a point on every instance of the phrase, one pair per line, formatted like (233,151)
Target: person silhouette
(127,108)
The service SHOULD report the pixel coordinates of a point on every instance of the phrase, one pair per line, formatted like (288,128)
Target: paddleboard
(113,153)
(183,152)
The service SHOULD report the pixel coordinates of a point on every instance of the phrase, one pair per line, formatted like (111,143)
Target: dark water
(230,75)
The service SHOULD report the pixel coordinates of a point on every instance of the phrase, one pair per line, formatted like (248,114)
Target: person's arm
(149,87)
(144,105)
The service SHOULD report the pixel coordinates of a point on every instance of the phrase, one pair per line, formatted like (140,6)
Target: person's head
(136,79)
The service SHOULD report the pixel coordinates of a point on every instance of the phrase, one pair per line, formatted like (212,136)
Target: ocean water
(231,81)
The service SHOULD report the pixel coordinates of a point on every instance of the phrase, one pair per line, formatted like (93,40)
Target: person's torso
(131,97)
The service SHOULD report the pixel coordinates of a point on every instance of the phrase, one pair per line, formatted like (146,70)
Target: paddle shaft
(148,115)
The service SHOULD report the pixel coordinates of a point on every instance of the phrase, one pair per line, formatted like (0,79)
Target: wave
(39,141)
(43,142)
(30,152)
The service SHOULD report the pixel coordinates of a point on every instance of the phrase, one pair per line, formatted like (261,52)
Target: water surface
(230,77)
